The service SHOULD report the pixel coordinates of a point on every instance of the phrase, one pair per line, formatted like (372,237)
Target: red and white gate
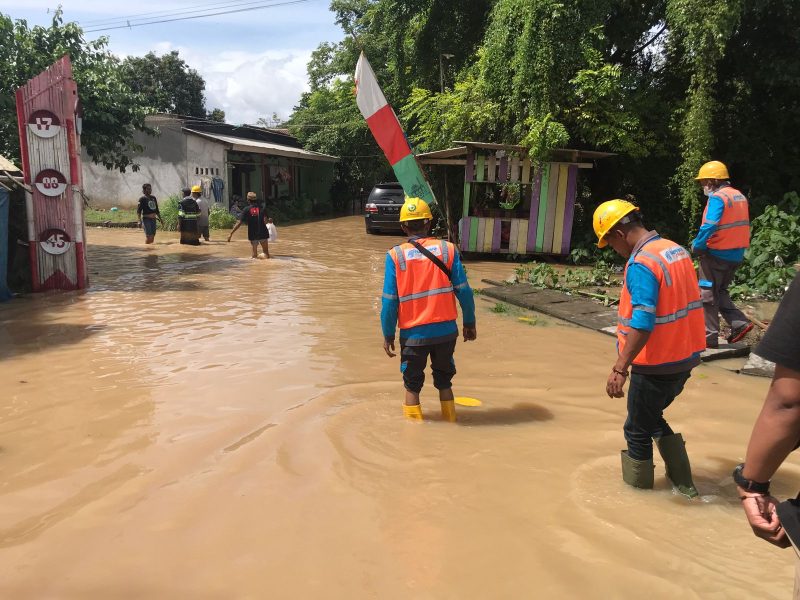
(49,134)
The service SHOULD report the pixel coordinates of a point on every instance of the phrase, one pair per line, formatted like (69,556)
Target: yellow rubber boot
(449,410)
(413,412)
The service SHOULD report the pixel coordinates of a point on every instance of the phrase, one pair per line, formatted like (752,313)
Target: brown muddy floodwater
(203,425)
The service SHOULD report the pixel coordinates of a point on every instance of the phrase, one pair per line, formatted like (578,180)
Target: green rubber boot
(673,450)
(638,473)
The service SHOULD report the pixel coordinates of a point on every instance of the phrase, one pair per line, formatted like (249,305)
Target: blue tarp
(5,293)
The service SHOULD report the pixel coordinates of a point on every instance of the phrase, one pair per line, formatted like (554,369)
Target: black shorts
(413,360)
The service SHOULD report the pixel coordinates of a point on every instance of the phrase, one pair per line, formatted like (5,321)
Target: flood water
(203,425)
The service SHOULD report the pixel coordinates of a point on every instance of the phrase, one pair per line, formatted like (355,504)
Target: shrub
(768,267)
(169,212)
(219,218)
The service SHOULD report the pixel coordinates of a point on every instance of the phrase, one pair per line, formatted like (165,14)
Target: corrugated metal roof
(9,167)
(258,147)
(558,154)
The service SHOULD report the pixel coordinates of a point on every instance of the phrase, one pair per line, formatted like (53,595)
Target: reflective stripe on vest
(424,291)
(679,331)
(733,228)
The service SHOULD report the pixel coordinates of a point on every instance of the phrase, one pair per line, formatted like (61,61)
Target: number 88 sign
(50,182)
(55,241)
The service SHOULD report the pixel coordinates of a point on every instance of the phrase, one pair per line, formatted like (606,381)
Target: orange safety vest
(733,229)
(679,330)
(425,293)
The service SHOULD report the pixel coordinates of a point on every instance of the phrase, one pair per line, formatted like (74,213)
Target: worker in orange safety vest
(660,336)
(721,242)
(422,280)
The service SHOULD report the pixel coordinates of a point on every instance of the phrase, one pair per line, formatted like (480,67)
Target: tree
(217,115)
(112,112)
(167,83)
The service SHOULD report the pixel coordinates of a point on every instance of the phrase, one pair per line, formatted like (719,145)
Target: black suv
(383,208)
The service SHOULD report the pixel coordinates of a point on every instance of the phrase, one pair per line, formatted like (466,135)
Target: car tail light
(372,208)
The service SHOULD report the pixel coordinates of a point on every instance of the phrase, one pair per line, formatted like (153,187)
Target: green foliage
(217,115)
(499,307)
(701,29)
(169,212)
(540,275)
(166,83)
(768,267)
(112,112)
(219,218)
(543,275)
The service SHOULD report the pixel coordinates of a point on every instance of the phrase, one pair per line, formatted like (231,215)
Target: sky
(253,62)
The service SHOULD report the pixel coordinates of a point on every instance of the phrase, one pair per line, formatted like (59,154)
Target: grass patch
(96,215)
(499,307)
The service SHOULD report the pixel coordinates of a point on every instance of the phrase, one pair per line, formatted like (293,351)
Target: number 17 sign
(44,124)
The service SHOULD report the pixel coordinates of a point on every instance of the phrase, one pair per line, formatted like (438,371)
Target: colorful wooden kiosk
(511,206)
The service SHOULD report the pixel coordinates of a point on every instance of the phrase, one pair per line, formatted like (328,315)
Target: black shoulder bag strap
(433,258)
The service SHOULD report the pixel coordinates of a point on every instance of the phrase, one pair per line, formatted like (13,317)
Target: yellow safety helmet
(609,214)
(414,209)
(713,170)
(196,189)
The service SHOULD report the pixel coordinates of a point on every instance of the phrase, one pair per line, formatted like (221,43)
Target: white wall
(205,159)
(162,164)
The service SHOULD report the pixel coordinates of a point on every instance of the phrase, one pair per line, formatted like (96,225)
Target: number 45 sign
(44,124)
(55,241)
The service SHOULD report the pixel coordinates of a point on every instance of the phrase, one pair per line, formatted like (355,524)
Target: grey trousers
(715,276)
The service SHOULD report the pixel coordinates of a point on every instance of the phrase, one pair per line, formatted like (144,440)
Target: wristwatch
(748,484)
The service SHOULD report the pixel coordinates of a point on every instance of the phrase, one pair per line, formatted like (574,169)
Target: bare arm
(238,224)
(775,434)
(777,429)
(637,338)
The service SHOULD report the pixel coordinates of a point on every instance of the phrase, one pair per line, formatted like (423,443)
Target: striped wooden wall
(61,262)
(548,228)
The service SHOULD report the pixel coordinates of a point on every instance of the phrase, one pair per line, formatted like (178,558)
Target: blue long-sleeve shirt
(716,206)
(431,333)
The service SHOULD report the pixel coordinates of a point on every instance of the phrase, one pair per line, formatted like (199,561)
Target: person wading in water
(148,212)
(660,335)
(257,232)
(422,280)
(188,212)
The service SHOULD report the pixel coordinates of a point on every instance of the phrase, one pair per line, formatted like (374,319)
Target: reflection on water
(202,425)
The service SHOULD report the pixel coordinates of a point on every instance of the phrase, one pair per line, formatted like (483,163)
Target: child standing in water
(257,231)
(273,232)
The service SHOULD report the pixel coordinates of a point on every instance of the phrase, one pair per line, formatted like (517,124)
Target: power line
(108,21)
(198,16)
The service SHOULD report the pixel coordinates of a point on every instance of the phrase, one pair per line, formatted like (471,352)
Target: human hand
(615,385)
(760,512)
(388,347)
(470,333)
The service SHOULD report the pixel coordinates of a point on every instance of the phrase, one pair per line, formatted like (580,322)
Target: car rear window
(389,193)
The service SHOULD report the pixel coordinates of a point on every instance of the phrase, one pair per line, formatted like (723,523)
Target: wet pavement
(203,425)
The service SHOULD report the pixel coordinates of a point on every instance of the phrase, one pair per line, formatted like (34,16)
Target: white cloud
(249,86)
(246,85)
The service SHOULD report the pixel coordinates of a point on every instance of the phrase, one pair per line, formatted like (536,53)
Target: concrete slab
(583,312)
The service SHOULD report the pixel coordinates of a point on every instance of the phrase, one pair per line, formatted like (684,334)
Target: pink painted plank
(534,218)
(469,173)
(496,235)
(502,176)
(572,185)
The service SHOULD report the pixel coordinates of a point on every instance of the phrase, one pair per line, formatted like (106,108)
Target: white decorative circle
(44,124)
(55,241)
(51,182)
